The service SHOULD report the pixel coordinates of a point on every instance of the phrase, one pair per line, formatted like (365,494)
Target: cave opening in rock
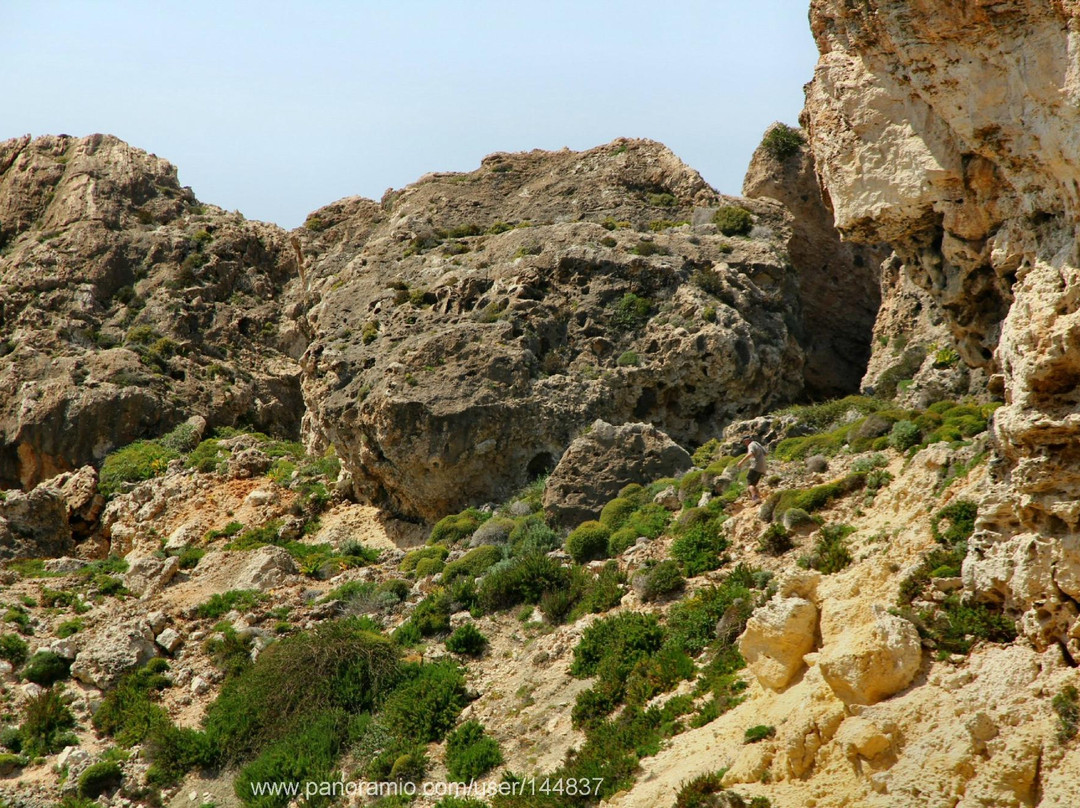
(540,465)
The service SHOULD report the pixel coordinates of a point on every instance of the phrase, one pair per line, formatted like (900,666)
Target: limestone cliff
(126,306)
(469,326)
(950,131)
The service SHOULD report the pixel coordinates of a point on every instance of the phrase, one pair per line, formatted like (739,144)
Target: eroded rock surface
(930,136)
(126,306)
(470,325)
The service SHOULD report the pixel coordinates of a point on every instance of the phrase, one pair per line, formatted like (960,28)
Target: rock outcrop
(470,325)
(597,465)
(932,134)
(838,280)
(126,306)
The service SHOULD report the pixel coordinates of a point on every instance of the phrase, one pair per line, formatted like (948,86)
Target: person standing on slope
(755,453)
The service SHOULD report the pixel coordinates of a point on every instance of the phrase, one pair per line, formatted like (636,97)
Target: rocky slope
(466,328)
(950,134)
(127,306)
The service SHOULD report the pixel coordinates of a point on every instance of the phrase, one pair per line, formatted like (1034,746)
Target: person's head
(747,441)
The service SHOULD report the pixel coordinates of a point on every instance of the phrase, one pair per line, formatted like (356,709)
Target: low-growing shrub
(904,435)
(782,141)
(631,311)
(13,649)
(467,640)
(733,220)
(337,666)
(47,724)
(428,703)
(523,579)
(699,547)
(831,553)
(457,527)
(221,604)
(45,668)
(659,581)
(588,541)
(961,515)
(703,792)
(473,564)
(413,558)
(758,733)
(775,540)
(98,778)
(1067,706)
(533,535)
(136,462)
(470,752)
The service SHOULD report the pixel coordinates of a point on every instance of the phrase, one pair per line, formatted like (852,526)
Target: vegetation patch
(831,552)
(733,220)
(470,752)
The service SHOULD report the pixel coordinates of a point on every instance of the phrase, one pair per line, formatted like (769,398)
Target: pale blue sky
(275,108)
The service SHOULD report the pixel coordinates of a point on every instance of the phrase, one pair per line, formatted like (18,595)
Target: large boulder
(34,524)
(471,325)
(870,662)
(776,638)
(108,653)
(602,461)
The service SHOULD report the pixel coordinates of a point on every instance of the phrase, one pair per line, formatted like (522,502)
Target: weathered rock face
(952,132)
(469,326)
(34,524)
(125,306)
(597,465)
(777,637)
(838,280)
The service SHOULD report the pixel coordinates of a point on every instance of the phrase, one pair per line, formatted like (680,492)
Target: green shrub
(782,141)
(797,517)
(532,535)
(700,546)
(733,220)
(826,443)
(955,626)
(878,479)
(423,708)
(473,564)
(938,563)
(13,649)
(1067,706)
(904,435)
(99,778)
(307,755)
(815,498)
(47,724)
(961,514)
(622,540)
(702,791)
(470,752)
(9,763)
(452,529)
(616,642)
(138,461)
(182,439)
(630,312)
(428,566)
(831,553)
(663,199)
(432,615)
(647,248)
(601,592)
(337,666)
(207,456)
(523,579)
(414,557)
(45,668)
(588,541)
(220,605)
(758,733)
(775,540)
(659,581)
(615,513)
(467,640)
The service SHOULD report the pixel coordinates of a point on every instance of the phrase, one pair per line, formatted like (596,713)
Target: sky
(276,108)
